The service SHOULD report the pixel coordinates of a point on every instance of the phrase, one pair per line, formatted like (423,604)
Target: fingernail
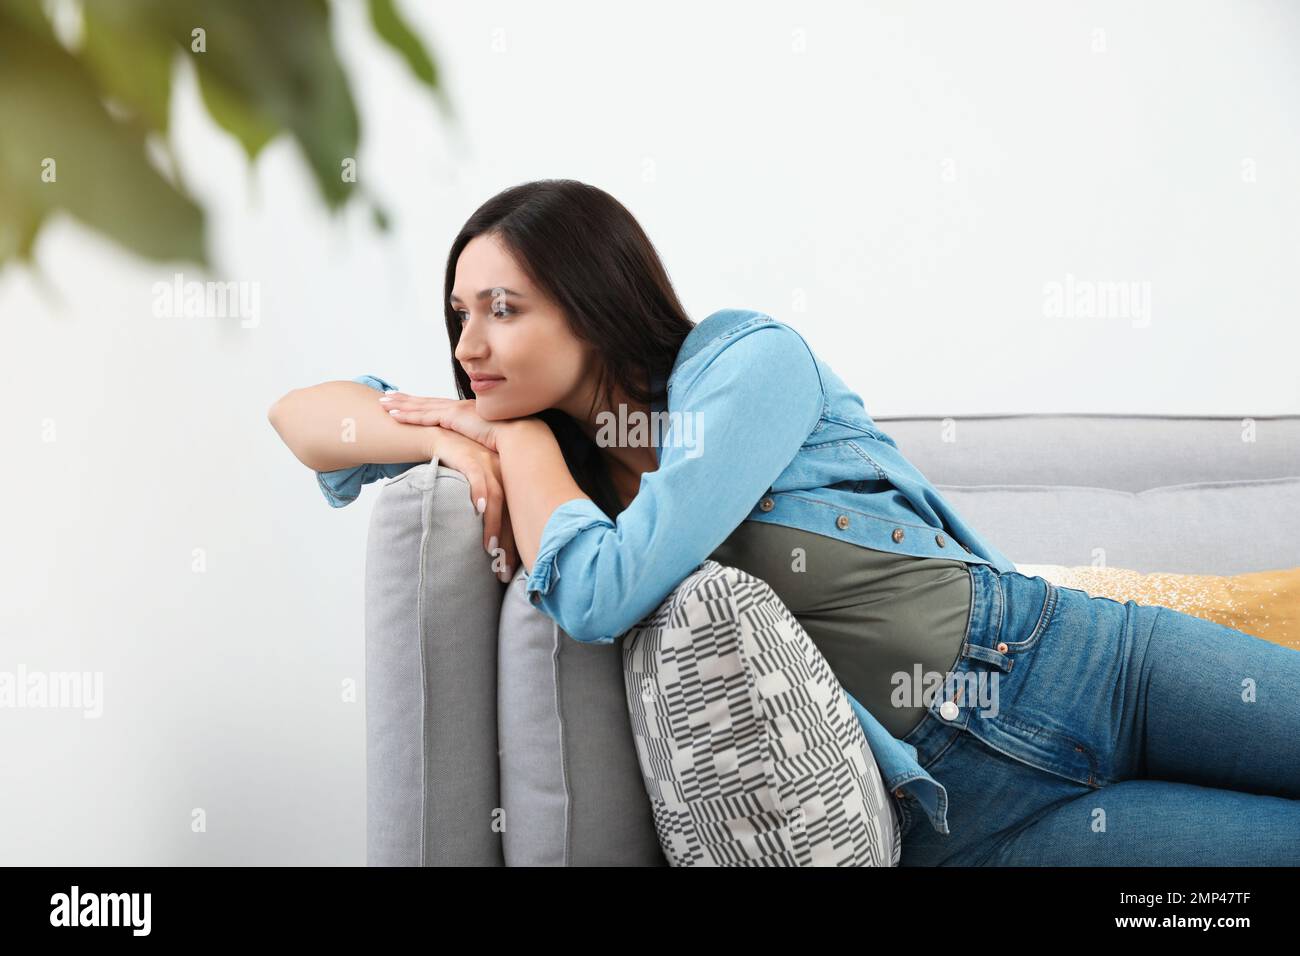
(481,504)
(492,545)
(393,411)
(385,398)
(505,576)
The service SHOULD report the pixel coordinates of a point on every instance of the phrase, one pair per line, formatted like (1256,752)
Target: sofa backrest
(1208,495)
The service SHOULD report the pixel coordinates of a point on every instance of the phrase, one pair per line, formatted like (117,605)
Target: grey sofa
(494,739)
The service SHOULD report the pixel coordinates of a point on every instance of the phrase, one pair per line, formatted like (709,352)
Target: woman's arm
(340,425)
(536,479)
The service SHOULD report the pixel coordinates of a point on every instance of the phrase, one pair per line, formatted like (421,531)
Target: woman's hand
(459,416)
(482,468)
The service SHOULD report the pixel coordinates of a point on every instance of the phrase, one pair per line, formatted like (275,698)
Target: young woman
(1064,729)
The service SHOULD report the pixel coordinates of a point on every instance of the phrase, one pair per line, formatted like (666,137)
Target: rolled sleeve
(342,486)
(566,522)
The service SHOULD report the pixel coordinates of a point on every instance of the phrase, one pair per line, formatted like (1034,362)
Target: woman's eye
(500,313)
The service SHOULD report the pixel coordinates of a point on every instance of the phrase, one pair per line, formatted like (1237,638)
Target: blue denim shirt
(758,428)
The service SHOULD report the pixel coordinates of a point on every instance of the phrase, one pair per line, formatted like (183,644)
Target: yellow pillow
(1263,603)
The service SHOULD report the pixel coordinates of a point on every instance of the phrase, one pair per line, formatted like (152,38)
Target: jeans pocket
(1019,617)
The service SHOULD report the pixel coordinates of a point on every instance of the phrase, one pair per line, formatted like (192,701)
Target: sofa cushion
(750,752)
(1124,452)
(431,618)
(1212,527)
(571,789)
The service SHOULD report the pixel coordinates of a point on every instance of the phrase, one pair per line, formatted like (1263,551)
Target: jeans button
(1002,647)
(767,504)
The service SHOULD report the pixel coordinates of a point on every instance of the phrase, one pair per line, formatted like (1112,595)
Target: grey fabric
(1189,495)
(1121,452)
(1217,528)
(432,606)
(570,784)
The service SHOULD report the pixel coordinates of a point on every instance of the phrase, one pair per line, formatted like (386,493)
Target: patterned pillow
(750,752)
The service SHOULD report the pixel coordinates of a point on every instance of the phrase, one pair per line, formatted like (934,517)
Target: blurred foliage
(80,106)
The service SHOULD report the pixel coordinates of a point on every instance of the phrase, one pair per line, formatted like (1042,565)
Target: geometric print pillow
(750,752)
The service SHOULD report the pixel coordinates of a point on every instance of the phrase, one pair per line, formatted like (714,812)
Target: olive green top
(872,614)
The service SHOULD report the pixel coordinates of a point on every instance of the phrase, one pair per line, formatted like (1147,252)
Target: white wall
(900,182)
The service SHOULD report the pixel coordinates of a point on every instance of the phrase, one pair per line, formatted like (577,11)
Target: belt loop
(990,656)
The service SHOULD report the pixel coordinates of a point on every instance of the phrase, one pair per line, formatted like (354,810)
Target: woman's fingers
(490,504)
(477,479)
(496,506)
(508,542)
(414,410)
(415,416)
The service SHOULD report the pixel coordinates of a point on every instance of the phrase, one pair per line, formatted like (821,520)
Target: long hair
(584,249)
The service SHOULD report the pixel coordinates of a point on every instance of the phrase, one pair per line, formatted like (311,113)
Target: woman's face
(509,329)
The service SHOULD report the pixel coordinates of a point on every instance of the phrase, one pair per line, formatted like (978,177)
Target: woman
(1063,729)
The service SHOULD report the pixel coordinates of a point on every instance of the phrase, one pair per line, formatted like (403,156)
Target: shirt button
(767,504)
(535,597)
(898,534)
(842,522)
(948,710)
(940,540)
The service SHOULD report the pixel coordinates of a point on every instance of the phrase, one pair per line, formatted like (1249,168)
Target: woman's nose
(468,349)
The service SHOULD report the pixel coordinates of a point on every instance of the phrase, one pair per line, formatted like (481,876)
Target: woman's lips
(482,384)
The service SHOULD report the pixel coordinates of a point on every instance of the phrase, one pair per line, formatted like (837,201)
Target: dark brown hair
(585,251)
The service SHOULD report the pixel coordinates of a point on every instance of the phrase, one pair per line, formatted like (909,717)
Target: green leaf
(50,110)
(394,31)
(271,67)
(28,14)
(19,222)
(266,68)
(130,58)
(236,115)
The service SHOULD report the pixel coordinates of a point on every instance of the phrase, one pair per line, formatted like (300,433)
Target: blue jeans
(1086,732)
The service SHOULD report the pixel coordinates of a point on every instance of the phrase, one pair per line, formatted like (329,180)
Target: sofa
(494,739)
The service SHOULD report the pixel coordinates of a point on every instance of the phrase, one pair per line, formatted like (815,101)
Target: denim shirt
(756,427)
